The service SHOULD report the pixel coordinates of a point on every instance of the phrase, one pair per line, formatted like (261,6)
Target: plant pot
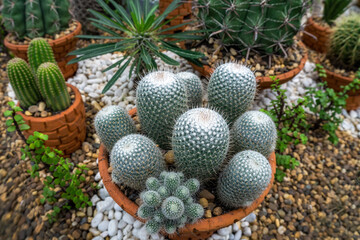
(66,130)
(322,34)
(263,82)
(335,80)
(181,14)
(61,47)
(200,230)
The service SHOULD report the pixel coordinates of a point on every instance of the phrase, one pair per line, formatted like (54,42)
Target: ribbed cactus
(256,25)
(254,130)
(244,179)
(39,52)
(200,142)
(23,82)
(134,158)
(161,99)
(344,49)
(35,18)
(111,124)
(232,89)
(52,87)
(193,87)
(168,203)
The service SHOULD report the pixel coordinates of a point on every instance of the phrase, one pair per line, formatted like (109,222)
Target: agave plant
(141,37)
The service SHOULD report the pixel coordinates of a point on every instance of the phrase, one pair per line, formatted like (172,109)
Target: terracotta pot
(66,130)
(200,230)
(322,34)
(263,82)
(335,80)
(181,14)
(61,47)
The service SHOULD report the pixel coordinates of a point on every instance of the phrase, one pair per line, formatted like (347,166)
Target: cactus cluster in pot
(41,80)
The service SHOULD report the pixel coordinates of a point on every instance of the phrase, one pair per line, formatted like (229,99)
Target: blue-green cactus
(193,87)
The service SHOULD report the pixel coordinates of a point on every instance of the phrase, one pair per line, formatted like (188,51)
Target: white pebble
(251,217)
(281,230)
(104,234)
(97,220)
(247,231)
(113,227)
(118,215)
(98,238)
(122,224)
(128,218)
(235,227)
(103,226)
(95,199)
(353,114)
(111,214)
(120,235)
(238,235)
(138,224)
(245,224)
(224,231)
(117,207)
(142,233)
(127,229)
(217,237)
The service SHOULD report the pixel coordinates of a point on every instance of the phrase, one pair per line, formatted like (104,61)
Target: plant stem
(18,128)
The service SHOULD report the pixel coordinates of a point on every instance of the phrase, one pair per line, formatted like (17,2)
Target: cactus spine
(193,87)
(52,87)
(39,52)
(23,82)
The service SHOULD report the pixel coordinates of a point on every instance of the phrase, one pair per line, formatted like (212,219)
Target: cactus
(255,131)
(134,158)
(244,179)
(36,18)
(161,99)
(172,205)
(52,87)
(200,142)
(111,124)
(232,89)
(260,26)
(344,49)
(23,82)
(193,87)
(39,52)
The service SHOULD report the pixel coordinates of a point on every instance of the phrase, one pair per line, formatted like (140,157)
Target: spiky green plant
(333,9)
(344,49)
(35,18)
(161,99)
(23,82)
(52,87)
(244,179)
(168,202)
(232,89)
(139,36)
(111,124)
(193,87)
(135,158)
(200,142)
(39,52)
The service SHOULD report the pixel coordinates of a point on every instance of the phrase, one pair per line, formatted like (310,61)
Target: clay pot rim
(60,115)
(311,21)
(204,225)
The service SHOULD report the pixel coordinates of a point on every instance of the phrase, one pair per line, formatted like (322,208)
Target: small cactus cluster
(41,80)
(193,87)
(36,18)
(168,202)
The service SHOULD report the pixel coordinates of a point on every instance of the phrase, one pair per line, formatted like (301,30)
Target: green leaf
(9,122)
(18,118)
(11,104)
(116,76)
(8,113)
(11,129)
(24,127)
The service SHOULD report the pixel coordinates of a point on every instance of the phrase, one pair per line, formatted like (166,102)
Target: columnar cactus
(161,99)
(111,124)
(193,87)
(254,130)
(168,202)
(232,89)
(135,158)
(52,87)
(35,18)
(200,142)
(39,52)
(23,82)
(244,179)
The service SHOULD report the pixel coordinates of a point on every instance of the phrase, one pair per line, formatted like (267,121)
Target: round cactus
(200,143)
(244,179)
(254,130)
(193,87)
(172,208)
(151,198)
(135,158)
(111,124)
(232,89)
(161,99)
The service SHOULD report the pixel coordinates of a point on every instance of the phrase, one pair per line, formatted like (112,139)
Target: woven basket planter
(322,34)
(182,14)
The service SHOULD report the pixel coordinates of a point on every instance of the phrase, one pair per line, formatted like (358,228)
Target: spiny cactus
(111,124)
(344,49)
(23,82)
(168,203)
(244,179)
(134,158)
(52,87)
(193,87)
(35,18)
(200,142)
(232,89)
(256,25)
(39,52)
(161,99)
(254,130)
